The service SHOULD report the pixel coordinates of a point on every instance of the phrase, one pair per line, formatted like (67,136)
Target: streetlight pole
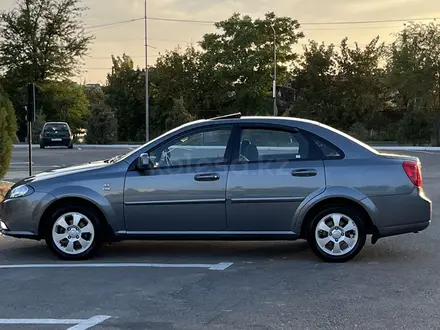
(147,114)
(274,86)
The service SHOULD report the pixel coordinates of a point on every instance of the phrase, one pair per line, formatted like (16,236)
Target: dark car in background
(56,134)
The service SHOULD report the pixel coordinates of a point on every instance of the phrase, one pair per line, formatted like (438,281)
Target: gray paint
(259,200)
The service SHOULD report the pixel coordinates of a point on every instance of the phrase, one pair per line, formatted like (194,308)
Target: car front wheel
(337,234)
(74,233)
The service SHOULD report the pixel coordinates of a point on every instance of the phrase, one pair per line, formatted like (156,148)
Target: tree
(126,95)
(43,39)
(175,79)
(344,88)
(7,131)
(40,40)
(65,101)
(238,62)
(414,72)
(103,126)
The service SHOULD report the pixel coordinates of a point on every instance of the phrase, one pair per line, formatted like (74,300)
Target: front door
(185,189)
(274,172)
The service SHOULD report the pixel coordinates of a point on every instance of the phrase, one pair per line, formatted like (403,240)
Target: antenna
(232,115)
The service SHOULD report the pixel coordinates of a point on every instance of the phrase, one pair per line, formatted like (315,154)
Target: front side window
(206,146)
(260,145)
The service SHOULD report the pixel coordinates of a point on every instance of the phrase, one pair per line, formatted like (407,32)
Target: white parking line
(79,324)
(218,266)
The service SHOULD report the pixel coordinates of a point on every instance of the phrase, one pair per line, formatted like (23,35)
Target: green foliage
(37,126)
(65,101)
(40,40)
(7,131)
(345,89)
(415,127)
(414,75)
(238,62)
(126,95)
(102,124)
(43,39)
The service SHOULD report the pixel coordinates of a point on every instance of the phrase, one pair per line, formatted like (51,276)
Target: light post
(147,114)
(274,86)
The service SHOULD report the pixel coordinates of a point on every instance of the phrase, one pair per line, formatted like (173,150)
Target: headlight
(21,191)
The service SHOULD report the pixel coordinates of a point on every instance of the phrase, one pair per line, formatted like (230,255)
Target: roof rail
(232,115)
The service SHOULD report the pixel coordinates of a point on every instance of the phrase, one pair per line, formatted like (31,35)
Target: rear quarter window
(328,149)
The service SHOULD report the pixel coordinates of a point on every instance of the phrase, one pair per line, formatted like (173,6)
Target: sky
(165,35)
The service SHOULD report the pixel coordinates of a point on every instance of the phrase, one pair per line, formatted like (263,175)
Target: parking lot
(394,284)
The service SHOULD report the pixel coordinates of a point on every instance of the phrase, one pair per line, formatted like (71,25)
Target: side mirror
(144,162)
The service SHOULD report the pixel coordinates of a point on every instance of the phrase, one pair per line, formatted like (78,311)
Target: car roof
(56,123)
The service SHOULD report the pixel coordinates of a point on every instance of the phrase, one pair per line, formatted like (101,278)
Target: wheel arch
(335,196)
(78,201)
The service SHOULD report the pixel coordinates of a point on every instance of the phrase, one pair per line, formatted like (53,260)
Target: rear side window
(271,145)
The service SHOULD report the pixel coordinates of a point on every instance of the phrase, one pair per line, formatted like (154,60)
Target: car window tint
(328,150)
(56,127)
(272,145)
(202,147)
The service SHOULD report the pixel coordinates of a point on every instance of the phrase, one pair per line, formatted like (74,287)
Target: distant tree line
(375,92)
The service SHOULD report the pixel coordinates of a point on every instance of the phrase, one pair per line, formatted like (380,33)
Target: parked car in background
(56,134)
(227,178)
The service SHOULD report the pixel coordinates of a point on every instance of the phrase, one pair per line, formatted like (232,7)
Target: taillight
(414,171)
(43,134)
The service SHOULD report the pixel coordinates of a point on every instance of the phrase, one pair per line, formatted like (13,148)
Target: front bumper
(20,217)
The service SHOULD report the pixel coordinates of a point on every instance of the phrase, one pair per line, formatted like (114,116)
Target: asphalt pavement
(394,284)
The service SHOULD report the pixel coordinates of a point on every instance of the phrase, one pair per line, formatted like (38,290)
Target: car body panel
(264,196)
(370,176)
(23,214)
(171,199)
(172,205)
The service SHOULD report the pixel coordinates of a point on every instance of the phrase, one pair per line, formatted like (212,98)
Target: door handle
(207,177)
(304,172)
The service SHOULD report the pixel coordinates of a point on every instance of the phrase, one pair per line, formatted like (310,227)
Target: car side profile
(56,134)
(227,178)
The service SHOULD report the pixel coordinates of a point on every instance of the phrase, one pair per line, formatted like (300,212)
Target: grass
(4,187)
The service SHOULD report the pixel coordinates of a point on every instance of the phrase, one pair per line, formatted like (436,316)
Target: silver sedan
(227,178)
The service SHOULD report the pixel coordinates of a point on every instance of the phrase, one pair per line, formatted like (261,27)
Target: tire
(76,217)
(70,146)
(350,242)
(41,146)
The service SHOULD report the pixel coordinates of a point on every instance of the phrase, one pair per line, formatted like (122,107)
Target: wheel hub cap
(74,232)
(336,234)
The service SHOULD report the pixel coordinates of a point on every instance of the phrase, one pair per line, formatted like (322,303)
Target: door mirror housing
(144,162)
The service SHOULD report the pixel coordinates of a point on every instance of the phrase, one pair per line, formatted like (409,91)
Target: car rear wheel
(41,146)
(74,233)
(337,234)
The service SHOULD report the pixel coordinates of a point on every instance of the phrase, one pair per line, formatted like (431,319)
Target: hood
(58,172)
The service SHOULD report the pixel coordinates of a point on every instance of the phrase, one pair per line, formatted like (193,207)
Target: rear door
(273,171)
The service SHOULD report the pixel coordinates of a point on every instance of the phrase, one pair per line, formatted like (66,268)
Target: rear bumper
(65,141)
(405,229)
(401,214)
